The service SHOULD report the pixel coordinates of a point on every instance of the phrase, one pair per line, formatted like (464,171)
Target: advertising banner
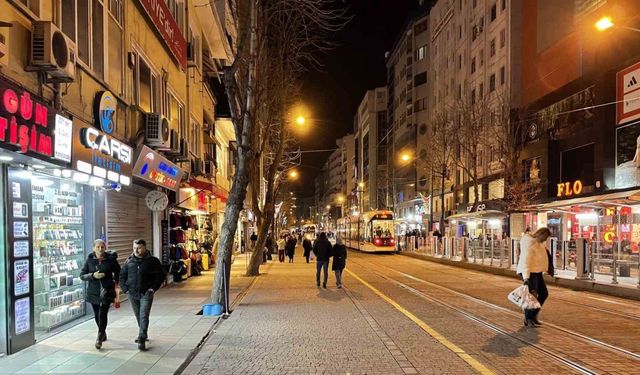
(628,156)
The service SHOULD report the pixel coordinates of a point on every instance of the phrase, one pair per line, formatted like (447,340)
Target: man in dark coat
(322,249)
(290,247)
(141,276)
(307,246)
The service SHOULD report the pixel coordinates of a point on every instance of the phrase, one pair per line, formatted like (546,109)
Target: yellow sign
(568,189)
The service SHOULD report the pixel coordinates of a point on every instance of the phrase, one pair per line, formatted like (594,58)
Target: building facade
(109,116)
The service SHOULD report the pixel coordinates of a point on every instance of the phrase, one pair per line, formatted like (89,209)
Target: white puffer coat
(533,256)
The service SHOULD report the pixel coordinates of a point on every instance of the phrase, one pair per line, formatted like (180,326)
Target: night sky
(355,66)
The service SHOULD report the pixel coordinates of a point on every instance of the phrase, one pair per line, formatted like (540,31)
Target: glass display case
(58,247)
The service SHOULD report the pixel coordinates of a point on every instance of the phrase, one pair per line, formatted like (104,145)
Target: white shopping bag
(311,255)
(522,298)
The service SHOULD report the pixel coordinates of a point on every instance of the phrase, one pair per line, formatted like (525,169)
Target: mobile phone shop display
(58,252)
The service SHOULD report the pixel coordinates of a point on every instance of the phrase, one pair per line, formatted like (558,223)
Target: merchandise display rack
(58,257)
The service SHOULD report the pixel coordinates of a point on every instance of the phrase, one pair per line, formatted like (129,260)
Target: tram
(370,232)
(309,231)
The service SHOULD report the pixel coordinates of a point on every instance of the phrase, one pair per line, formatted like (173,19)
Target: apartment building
(107,130)
(370,131)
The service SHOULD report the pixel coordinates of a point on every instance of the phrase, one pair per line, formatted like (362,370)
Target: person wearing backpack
(533,261)
(339,253)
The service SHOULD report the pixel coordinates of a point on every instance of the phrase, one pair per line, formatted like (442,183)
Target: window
(459,62)
(473,96)
(176,8)
(475,3)
(504,4)
(460,32)
(502,75)
(194,139)
(481,57)
(494,12)
(503,38)
(492,47)
(492,83)
(481,90)
(32,6)
(459,91)
(473,65)
(419,79)
(96,26)
(421,53)
(147,86)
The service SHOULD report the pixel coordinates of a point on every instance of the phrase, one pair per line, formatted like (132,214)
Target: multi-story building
(371,134)
(470,66)
(407,102)
(106,122)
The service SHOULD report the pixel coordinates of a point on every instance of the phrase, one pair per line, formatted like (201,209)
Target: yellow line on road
(425,327)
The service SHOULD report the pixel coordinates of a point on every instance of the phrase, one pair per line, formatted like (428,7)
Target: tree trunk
(238,193)
(441,226)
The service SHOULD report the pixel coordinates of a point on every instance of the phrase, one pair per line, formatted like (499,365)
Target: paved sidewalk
(286,325)
(174,331)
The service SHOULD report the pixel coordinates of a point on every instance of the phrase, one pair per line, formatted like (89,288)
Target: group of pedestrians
(141,276)
(323,251)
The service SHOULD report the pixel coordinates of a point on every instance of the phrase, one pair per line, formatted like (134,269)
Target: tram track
(482,320)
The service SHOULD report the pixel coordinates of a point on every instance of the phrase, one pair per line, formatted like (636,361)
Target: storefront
(44,230)
(485,221)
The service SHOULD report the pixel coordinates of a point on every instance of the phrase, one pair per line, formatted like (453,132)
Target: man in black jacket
(322,249)
(141,276)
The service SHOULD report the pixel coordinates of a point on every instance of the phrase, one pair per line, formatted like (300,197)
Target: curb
(195,351)
(621,291)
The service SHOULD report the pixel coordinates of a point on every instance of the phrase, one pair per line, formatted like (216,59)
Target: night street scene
(339,187)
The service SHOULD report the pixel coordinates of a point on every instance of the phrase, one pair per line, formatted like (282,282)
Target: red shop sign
(24,122)
(168,28)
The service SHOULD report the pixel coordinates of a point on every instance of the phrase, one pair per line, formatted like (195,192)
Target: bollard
(582,272)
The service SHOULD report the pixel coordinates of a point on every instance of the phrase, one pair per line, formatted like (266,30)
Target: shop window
(58,255)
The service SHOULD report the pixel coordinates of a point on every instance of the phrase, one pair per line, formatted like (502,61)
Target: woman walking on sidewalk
(339,253)
(101,271)
(290,247)
(282,242)
(533,261)
(306,245)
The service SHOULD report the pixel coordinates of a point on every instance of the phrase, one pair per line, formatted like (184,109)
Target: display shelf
(61,289)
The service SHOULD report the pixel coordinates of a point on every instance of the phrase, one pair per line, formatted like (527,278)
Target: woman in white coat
(533,261)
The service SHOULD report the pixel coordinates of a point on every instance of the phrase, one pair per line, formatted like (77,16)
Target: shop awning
(211,187)
(628,197)
(478,215)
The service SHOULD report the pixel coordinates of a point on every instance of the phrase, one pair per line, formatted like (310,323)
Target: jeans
(324,264)
(539,288)
(338,277)
(100,314)
(142,309)
(281,255)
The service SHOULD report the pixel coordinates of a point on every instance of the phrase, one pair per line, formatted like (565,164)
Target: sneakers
(104,337)
(142,345)
(137,340)
(340,286)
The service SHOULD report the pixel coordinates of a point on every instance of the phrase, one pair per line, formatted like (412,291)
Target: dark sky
(354,67)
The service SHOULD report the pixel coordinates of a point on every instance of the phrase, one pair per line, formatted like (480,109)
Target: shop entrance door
(128,218)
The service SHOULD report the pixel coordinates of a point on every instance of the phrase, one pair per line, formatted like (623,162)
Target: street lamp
(604,23)
(405,157)
(300,120)
(293,174)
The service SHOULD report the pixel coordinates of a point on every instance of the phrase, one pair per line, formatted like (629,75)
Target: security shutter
(128,218)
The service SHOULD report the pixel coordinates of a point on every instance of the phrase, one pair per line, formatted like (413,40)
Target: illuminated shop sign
(104,112)
(570,188)
(167,27)
(155,168)
(26,124)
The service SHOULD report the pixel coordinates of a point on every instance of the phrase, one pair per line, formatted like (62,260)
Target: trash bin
(624,270)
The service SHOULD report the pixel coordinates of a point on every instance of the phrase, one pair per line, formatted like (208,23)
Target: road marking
(425,327)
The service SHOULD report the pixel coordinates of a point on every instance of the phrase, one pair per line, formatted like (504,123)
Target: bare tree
(278,39)
(440,159)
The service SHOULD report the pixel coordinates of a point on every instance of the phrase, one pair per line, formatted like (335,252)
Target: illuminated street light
(328,207)
(604,23)
(293,174)
(361,184)
(341,199)
(300,120)
(405,157)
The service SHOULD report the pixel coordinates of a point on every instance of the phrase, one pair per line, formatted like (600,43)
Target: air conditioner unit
(157,131)
(174,147)
(52,52)
(184,151)
(210,168)
(191,54)
(197,167)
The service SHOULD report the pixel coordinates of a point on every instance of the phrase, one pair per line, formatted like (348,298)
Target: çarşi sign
(155,168)
(164,22)
(27,124)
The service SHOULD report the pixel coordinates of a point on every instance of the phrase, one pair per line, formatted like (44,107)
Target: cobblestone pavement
(391,319)
(174,331)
